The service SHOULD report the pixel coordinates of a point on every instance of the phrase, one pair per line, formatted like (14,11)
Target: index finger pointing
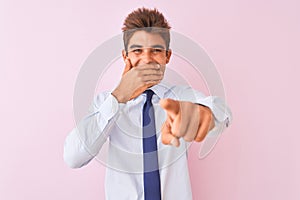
(166,135)
(171,106)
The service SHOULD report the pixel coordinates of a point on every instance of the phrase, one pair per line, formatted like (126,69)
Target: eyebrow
(158,46)
(135,46)
(140,46)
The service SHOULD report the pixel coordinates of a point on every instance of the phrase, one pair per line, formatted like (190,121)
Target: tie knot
(149,94)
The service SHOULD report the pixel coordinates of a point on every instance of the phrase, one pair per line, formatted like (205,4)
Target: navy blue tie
(151,170)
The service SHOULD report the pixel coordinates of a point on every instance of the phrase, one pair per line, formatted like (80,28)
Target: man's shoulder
(168,87)
(181,92)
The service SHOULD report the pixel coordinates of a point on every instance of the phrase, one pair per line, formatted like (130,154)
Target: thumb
(128,66)
(171,106)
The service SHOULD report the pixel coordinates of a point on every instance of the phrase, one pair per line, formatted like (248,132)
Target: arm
(85,141)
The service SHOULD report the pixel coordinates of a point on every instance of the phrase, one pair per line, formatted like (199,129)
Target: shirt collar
(160,89)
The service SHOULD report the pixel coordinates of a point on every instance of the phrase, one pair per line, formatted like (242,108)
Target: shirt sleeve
(221,112)
(84,142)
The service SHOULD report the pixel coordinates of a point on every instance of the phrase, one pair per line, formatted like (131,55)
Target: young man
(144,120)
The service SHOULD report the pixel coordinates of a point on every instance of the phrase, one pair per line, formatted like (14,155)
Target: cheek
(133,61)
(136,61)
(163,59)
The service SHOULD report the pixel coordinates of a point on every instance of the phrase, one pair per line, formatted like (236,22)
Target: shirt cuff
(109,107)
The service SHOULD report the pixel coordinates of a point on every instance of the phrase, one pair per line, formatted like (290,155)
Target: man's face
(147,48)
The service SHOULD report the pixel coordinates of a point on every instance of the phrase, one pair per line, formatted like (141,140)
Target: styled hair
(149,20)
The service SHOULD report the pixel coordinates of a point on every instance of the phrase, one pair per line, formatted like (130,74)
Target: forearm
(85,141)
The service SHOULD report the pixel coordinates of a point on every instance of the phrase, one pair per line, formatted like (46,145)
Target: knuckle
(165,140)
(188,138)
(199,138)
(181,134)
(209,116)
(208,111)
(177,132)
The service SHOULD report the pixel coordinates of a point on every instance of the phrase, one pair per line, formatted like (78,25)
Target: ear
(124,55)
(168,56)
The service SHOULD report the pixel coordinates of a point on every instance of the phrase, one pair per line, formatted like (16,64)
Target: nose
(147,57)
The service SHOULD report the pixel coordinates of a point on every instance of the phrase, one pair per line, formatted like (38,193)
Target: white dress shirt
(121,125)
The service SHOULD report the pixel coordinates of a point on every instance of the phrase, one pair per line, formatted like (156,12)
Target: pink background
(254,44)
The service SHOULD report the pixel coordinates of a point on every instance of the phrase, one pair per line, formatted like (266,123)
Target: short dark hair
(149,20)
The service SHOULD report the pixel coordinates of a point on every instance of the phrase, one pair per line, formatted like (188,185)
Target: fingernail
(174,142)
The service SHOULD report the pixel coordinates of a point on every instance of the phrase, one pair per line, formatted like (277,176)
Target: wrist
(119,96)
